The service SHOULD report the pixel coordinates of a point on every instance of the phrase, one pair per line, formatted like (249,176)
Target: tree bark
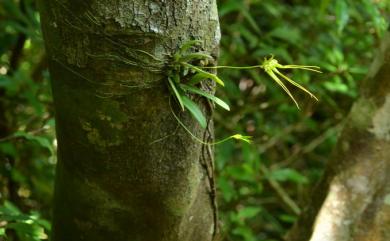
(352,202)
(126,169)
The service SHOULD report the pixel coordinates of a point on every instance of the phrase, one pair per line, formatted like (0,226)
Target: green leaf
(9,208)
(248,212)
(28,226)
(287,33)
(194,110)
(2,232)
(8,148)
(209,75)
(176,92)
(211,97)
(323,6)
(245,232)
(198,77)
(288,218)
(227,191)
(336,85)
(342,15)
(33,231)
(42,141)
(288,174)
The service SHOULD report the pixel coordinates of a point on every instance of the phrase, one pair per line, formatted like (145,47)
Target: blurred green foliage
(261,187)
(27,227)
(27,149)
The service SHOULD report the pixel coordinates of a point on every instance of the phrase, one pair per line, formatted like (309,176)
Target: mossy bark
(126,169)
(352,202)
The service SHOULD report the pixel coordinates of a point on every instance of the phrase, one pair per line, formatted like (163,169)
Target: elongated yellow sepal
(272,66)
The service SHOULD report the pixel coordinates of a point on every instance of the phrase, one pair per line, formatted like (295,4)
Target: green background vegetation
(262,186)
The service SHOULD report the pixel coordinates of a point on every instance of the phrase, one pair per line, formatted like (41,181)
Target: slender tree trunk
(352,202)
(126,169)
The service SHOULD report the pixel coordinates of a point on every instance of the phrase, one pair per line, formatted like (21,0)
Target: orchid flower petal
(279,82)
(295,84)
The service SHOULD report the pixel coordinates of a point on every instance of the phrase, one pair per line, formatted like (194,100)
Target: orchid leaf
(176,92)
(211,97)
(194,110)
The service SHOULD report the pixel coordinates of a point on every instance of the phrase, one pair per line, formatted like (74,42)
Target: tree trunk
(352,202)
(126,169)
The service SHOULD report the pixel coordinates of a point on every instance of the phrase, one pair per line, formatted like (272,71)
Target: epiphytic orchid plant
(189,68)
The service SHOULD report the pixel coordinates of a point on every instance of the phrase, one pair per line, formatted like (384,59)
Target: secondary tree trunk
(126,169)
(352,202)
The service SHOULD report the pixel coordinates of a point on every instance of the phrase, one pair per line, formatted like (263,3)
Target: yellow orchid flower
(271,66)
